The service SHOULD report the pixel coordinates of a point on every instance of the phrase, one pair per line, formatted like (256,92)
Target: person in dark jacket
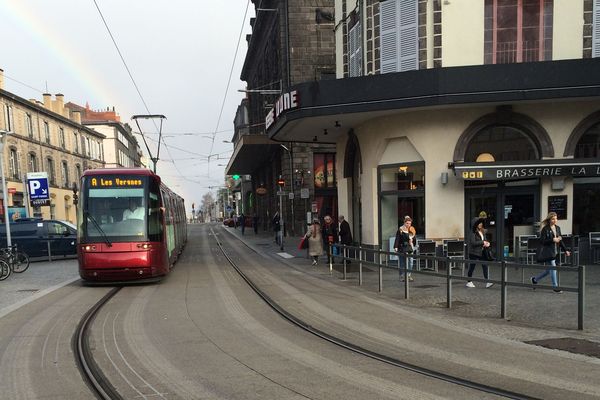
(345,234)
(550,239)
(330,236)
(276,227)
(404,243)
(477,243)
(255,223)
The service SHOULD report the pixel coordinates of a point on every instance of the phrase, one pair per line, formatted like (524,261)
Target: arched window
(501,143)
(588,145)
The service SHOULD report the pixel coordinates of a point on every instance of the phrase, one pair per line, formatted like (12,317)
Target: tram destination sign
(112,181)
(526,170)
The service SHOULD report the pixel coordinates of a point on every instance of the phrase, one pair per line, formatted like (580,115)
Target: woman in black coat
(477,243)
(550,239)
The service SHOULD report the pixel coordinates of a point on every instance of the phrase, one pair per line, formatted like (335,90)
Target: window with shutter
(596,30)
(354,50)
(399,35)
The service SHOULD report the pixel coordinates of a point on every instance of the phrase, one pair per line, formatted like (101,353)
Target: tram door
(509,213)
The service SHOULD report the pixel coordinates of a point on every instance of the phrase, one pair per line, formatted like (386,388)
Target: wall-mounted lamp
(337,124)
(444,178)
(315,138)
(325,132)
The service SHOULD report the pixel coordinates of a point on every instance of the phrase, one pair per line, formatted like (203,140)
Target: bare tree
(208,206)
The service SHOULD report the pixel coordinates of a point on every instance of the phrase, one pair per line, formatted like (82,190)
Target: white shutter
(389,36)
(354,51)
(409,35)
(596,30)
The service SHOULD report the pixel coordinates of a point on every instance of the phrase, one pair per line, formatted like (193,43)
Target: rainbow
(75,66)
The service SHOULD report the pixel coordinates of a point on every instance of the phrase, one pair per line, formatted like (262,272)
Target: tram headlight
(144,246)
(89,248)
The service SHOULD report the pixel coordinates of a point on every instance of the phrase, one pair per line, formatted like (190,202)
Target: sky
(180,54)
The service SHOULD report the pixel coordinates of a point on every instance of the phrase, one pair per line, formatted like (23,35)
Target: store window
(586,191)
(402,193)
(324,171)
(501,143)
(518,31)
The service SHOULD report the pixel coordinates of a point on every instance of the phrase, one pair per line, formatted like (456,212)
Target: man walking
(345,234)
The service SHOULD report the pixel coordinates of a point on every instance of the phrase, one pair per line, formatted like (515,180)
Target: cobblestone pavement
(40,277)
(532,315)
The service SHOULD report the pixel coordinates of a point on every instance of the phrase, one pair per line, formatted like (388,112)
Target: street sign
(304,193)
(282,193)
(40,202)
(229,209)
(37,183)
(291,196)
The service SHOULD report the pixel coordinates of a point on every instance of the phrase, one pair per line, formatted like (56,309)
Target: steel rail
(92,374)
(365,352)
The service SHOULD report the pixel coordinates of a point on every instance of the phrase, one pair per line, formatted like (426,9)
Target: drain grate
(425,286)
(27,290)
(263,244)
(572,345)
(455,303)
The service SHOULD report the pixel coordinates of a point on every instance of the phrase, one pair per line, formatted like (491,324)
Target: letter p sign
(34,186)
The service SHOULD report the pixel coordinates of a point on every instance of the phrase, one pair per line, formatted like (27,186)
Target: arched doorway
(510,207)
(584,143)
(353,170)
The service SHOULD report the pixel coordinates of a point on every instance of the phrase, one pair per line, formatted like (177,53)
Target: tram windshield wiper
(97,226)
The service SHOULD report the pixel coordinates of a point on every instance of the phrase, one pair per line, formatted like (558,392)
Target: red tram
(131,227)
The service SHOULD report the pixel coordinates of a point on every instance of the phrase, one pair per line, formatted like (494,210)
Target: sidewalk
(532,314)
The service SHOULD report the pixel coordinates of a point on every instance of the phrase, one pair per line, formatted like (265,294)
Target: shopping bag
(303,244)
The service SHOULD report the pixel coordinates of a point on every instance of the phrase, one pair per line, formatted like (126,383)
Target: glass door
(484,205)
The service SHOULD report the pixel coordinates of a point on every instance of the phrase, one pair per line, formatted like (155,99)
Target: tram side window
(155,228)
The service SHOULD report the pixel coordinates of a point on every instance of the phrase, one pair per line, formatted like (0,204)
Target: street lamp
(4,192)
(291,185)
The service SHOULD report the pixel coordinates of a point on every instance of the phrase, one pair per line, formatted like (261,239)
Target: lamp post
(289,151)
(4,192)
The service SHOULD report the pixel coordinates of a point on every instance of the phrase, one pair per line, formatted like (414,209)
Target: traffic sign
(229,209)
(37,182)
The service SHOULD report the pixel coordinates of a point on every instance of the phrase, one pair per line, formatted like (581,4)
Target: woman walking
(477,243)
(550,239)
(315,241)
(404,243)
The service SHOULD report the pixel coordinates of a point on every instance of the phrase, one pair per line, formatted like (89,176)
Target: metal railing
(380,259)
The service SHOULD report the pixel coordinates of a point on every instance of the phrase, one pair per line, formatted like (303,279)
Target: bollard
(406,276)
(345,256)
(49,252)
(380,271)
(360,255)
(330,256)
(503,290)
(581,297)
(448,284)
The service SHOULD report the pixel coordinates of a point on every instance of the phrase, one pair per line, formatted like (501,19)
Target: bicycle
(18,261)
(5,270)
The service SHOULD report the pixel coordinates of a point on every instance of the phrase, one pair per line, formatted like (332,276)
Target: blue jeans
(552,273)
(403,262)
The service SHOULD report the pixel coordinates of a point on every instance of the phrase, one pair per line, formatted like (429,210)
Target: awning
(250,152)
(508,170)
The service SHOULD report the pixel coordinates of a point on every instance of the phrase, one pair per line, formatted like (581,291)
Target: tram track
(428,372)
(91,372)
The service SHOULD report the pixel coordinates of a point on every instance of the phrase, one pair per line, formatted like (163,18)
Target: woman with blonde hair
(550,239)
(405,243)
(315,241)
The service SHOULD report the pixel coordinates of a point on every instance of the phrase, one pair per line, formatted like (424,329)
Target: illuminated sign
(286,101)
(105,181)
(527,170)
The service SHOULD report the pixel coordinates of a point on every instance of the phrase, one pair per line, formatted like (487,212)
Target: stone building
(452,109)
(44,136)
(120,148)
(291,42)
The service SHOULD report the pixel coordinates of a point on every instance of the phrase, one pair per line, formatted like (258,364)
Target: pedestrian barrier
(380,259)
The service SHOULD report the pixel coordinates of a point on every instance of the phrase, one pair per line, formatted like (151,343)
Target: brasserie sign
(527,170)
(287,101)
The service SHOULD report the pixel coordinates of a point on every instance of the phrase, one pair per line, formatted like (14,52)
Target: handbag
(487,254)
(546,253)
(303,244)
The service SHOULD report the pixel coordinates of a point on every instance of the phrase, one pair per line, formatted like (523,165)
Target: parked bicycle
(5,270)
(18,261)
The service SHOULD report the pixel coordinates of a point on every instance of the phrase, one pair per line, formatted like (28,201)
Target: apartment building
(443,110)
(44,136)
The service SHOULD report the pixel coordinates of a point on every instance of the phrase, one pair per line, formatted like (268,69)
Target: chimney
(76,116)
(59,104)
(47,101)
(1,79)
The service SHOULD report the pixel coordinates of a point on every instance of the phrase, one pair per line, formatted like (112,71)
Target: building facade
(452,109)
(292,41)
(44,136)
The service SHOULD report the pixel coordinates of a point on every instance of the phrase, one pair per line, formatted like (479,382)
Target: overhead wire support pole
(151,116)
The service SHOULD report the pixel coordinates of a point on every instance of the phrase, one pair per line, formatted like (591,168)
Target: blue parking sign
(37,183)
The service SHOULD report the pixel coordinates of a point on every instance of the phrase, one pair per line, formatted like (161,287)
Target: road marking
(285,255)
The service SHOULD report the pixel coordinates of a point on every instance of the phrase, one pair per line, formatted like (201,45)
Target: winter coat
(402,241)
(329,230)
(547,236)
(345,233)
(315,242)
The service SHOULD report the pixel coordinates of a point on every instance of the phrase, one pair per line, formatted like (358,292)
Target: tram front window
(118,214)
